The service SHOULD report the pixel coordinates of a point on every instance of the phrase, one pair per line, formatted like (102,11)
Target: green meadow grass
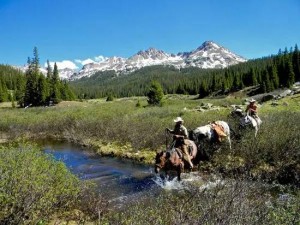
(120,128)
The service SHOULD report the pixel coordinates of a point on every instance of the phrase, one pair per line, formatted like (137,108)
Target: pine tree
(263,87)
(253,79)
(55,86)
(296,63)
(2,92)
(180,89)
(49,71)
(290,74)
(266,84)
(32,73)
(274,79)
(13,105)
(214,84)
(155,93)
(66,92)
(43,93)
(20,90)
(203,89)
(237,84)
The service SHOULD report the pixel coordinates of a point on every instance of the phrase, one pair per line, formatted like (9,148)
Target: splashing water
(168,184)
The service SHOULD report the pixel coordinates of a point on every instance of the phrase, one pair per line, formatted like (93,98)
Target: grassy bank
(120,128)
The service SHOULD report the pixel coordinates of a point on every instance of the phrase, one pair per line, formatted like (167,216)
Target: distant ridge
(208,55)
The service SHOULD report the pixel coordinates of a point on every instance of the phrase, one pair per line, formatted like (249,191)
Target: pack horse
(212,133)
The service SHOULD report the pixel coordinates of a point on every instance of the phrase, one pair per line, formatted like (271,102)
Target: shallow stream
(118,180)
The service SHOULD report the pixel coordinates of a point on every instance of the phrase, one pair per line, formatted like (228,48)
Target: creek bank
(102,148)
(125,151)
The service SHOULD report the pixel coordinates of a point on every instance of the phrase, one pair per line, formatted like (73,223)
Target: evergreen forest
(33,88)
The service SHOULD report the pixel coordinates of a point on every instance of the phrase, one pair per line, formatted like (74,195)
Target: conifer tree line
(33,88)
(10,79)
(267,73)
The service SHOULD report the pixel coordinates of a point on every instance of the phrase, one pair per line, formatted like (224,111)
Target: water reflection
(114,177)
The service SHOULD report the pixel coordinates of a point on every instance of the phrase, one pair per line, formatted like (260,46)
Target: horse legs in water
(180,169)
(178,174)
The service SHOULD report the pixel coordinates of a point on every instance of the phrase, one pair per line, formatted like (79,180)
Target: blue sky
(81,29)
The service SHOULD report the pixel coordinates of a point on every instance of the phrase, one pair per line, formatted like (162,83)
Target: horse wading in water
(172,159)
(215,132)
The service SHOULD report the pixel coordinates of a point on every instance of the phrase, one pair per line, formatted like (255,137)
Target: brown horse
(172,160)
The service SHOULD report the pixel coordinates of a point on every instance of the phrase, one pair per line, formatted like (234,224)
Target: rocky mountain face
(208,55)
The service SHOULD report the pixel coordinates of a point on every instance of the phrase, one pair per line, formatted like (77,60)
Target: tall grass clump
(33,185)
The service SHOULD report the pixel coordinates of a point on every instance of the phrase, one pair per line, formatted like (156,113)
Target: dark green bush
(110,98)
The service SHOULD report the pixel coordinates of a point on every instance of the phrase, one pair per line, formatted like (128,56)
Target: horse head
(160,161)
(237,113)
(169,160)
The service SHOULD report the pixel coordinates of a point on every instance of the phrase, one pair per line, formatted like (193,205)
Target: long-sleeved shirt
(180,130)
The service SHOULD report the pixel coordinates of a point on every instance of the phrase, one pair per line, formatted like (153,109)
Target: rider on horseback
(180,138)
(252,108)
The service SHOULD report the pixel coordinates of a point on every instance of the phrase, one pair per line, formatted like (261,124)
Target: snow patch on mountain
(208,55)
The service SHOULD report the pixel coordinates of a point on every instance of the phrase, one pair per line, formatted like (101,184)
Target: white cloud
(85,61)
(100,58)
(63,65)
(71,65)
(97,59)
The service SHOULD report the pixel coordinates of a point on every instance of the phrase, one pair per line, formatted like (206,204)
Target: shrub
(221,202)
(33,185)
(110,98)
(138,104)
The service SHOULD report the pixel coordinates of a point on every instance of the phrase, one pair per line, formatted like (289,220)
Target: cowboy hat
(178,119)
(252,100)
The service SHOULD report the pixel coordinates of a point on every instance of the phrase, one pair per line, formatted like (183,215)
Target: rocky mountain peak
(209,45)
(151,53)
(208,55)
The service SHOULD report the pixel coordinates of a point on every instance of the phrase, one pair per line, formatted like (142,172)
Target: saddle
(178,148)
(219,130)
